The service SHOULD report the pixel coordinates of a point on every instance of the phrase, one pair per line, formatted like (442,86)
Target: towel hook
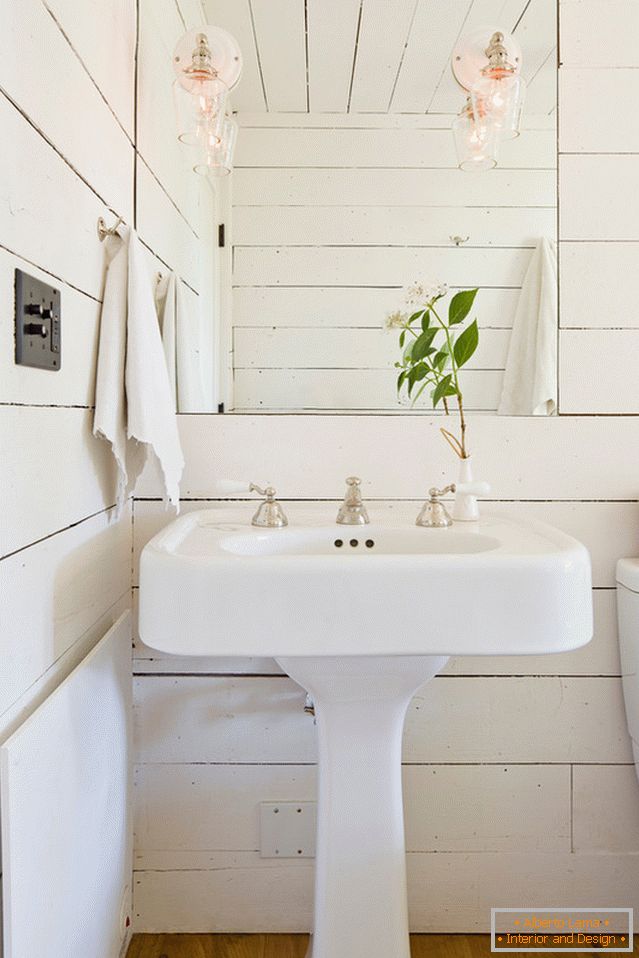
(104,230)
(459,240)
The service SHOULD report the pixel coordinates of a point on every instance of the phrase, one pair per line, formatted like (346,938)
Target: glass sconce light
(217,159)
(207,63)
(476,140)
(491,75)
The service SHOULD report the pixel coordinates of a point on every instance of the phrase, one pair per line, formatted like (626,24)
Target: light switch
(37,323)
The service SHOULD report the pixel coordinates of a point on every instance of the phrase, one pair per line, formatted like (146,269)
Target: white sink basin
(210,587)
(362,616)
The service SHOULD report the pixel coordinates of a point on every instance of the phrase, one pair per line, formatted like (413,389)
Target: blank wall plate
(287,829)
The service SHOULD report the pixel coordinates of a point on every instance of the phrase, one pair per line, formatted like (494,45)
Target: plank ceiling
(375,56)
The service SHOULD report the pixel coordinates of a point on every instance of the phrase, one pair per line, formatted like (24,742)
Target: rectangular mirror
(347,191)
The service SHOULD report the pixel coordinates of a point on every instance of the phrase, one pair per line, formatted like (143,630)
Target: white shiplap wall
(518,778)
(74,147)
(330,220)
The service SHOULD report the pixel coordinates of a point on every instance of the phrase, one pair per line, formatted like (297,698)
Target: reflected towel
(530,377)
(181,340)
(134,410)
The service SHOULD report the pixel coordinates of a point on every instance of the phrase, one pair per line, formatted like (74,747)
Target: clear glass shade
(476,142)
(216,159)
(200,111)
(500,97)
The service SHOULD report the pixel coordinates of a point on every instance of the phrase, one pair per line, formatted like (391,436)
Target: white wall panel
(598,370)
(587,302)
(189,719)
(605,808)
(105,158)
(76,576)
(54,472)
(612,209)
(612,96)
(447,891)
(103,38)
(589,29)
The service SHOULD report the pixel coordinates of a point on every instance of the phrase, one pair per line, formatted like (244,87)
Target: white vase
(465,508)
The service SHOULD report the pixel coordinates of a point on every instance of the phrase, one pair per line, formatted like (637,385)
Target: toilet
(628,616)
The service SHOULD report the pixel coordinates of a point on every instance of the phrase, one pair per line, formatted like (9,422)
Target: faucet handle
(270,514)
(352,511)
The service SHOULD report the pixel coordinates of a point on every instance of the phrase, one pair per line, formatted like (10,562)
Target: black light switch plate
(38,323)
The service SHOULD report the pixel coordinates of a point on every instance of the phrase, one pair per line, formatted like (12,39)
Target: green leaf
(460,306)
(440,389)
(400,379)
(466,344)
(416,374)
(441,358)
(402,338)
(415,316)
(426,320)
(422,343)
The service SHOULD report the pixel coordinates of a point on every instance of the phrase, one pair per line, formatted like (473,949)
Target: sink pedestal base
(360,879)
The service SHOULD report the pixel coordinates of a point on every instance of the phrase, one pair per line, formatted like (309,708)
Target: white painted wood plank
(598,371)
(536,31)
(605,808)
(612,210)
(279,390)
(80,573)
(589,29)
(542,95)
(389,226)
(74,383)
(394,188)
(600,127)
(105,159)
(371,148)
(344,306)
(164,229)
(375,121)
(50,450)
(188,719)
(448,892)
(37,693)
(72,755)
(103,37)
(235,16)
(216,807)
(427,53)
(377,266)
(235,892)
(597,285)
(157,142)
(332,33)
(344,348)
(383,34)
(192,12)
(68,248)
(308,459)
(281,40)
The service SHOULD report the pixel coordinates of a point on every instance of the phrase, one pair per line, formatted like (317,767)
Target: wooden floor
(294,946)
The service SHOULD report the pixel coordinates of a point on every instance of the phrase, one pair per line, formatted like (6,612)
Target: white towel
(181,340)
(134,409)
(530,377)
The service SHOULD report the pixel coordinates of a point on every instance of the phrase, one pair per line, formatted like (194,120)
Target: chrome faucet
(270,514)
(434,514)
(352,511)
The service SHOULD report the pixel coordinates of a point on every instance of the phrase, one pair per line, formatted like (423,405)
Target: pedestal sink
(362,617)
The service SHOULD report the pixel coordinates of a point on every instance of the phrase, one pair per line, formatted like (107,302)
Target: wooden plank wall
(519,783)
(332,215)
(74,148)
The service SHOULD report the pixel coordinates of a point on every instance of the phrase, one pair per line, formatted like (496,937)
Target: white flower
(396,320)
(420,294)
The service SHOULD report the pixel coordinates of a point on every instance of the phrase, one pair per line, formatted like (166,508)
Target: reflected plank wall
(71,153)
(519,786)
(333,215)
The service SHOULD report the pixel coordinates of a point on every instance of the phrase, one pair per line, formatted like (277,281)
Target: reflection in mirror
(347,192)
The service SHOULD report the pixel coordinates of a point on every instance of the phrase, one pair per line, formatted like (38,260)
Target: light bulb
(475,141)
